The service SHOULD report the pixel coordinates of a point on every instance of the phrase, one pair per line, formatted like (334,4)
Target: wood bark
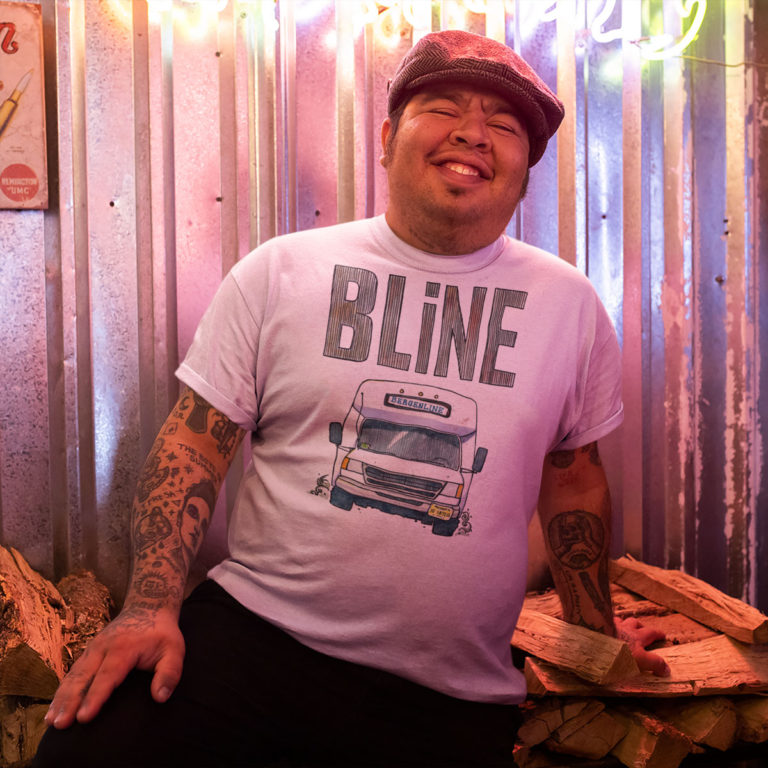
(31,639)
(42,630)
(90,604)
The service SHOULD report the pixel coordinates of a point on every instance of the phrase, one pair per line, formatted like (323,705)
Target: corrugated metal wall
(182,134)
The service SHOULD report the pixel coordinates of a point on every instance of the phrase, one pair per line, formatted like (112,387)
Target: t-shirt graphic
(409,450)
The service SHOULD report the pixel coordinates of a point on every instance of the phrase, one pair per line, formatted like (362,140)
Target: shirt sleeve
(600,409)
(221,362)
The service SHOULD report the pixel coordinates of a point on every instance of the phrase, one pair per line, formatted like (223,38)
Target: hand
(638,638)
(139,637)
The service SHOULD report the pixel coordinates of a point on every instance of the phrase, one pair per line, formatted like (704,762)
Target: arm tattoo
(225,433)
(197,421)
(153,475)
(151,529)
(562,459)
(595,595)
(577,538)
(594,455)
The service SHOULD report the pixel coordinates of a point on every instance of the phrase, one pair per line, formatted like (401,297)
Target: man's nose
(472,130)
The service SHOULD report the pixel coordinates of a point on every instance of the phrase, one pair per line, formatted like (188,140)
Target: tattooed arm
(575,512)
(176,493)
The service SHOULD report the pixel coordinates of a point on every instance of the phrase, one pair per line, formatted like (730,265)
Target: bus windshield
(410,443)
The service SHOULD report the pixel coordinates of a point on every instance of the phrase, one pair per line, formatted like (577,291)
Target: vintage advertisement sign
(23,173)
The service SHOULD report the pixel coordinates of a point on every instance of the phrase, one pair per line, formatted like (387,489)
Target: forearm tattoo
(577,539)
(564,459)
(175,498)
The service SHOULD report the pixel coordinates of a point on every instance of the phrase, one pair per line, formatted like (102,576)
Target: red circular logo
(19,182)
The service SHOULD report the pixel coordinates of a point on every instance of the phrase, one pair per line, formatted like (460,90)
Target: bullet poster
(23,175)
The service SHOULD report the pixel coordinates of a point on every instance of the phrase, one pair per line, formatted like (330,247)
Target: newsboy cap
(463,57)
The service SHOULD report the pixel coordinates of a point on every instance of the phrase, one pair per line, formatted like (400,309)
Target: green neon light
(655,48)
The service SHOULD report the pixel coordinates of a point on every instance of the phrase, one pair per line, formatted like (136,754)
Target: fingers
(107,662)
(84,690)
(168,672)
(638,637)
(651,662)
(66,702)
(113,670)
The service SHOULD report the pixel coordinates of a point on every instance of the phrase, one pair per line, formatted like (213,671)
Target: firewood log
(591,655)
(21,728)
(740,668)
(694,598)
(649,742)
(753,718)
(31,640)
(593,740)
(711,721)
(90,603)
(542,718)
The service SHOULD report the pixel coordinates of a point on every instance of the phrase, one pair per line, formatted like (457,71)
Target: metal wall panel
(182,134)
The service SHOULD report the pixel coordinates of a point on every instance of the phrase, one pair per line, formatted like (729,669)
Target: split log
(543,719)
(649,742)
(711,721)
(753,718)
(589,734)
(677,627)
(31,640)
(590,711)
(740,669)
(543,679)
(588,654)
(22,728)
(694,598)
(593,740)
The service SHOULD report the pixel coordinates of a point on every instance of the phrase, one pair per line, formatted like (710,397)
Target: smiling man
(416,385)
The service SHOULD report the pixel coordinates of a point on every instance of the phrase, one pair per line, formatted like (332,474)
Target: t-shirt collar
(432,262)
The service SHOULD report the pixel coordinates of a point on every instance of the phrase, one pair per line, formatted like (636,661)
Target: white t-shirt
(401,404)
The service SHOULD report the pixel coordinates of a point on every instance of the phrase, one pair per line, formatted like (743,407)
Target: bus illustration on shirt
(408,450)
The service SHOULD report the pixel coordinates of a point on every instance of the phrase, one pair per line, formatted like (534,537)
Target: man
(415,385)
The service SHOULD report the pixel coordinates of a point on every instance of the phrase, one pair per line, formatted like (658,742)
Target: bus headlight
(352,465)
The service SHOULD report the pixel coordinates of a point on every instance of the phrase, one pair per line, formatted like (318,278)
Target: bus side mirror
(479,461)
(334,432)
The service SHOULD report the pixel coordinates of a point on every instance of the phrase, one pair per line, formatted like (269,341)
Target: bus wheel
(444,527)
(340,498)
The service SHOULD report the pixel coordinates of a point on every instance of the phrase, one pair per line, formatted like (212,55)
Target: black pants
(251,695)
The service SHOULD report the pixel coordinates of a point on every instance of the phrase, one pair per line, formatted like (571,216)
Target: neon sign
(389,17)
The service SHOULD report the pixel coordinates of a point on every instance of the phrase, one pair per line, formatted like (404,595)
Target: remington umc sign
(23,173)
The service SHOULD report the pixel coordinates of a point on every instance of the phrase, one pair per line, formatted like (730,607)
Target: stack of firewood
(589,701)
(43,629)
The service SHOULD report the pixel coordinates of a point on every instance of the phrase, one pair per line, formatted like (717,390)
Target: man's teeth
(464,170)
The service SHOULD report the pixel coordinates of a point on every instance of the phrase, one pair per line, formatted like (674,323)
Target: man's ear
(386,130)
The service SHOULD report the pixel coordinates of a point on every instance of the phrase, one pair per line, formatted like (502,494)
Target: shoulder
(306,246)
(306,238)
(541,261)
